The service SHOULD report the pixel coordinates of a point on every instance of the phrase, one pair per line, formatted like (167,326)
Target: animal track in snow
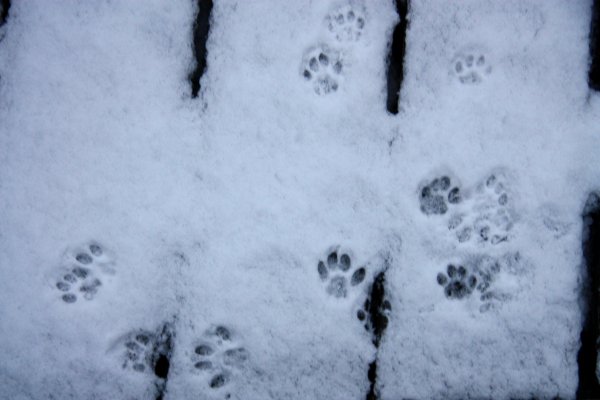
(437,195)
(147,352)
(458,283)
(346,22)
(488,216)
(376,309)
(482,216)
(322,68)
(470,67)
(137,350)
(217,355)
(495,278)
(83,272)
(339,275)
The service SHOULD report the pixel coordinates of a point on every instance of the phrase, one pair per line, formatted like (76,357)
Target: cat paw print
(339,275)
(83,272)
(137,349)
(496,280)
(488,216)
(458,283)
(322,69)
(346,22)
(471,67)
(218,356)
(436,196)
(375,317)
(500,279)
(146,352)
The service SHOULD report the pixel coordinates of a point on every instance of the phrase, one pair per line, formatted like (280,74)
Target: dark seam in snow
(594,72)
(588,353)
(4,7)
(373,393)
(379,323)
(161,359)
(395,61)
(201,31)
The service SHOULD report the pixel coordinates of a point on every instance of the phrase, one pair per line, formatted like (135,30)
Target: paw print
(218,355)
(436,195)
(322,68)
(470,67)
(380,322)
(335,271)
(137,350)
(346,23)
(488,216)
(497,279)
(375,312)
(458,283)
(146,352)
(492,271)
(484,216)
(82,275)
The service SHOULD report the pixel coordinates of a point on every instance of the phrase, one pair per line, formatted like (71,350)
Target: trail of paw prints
(486,276)
(346,22)
(322,66)
(471,67)
(83,272)
(217,356)
(438,195)
(488,216)
(322,69)
(339,275)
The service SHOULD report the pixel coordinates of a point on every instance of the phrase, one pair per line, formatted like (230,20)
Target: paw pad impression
(471,67)
(458,283)
(497,279)
(147,352)
(83,271)
(346,22)
(217,355)
(339,275)
(437,195)
(322,68)
(138,348)
(488,216)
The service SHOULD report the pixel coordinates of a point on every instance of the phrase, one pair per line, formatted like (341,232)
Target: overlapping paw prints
(484,274)
(138,347)
(458,283)
(488,216)
(218,355)
(83,272)
(501,279)
(438,194)
(484,216)
(346,22)
(339,275)
(322,67)
(471,67)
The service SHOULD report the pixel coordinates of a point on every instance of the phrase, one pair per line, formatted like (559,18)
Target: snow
(216,211)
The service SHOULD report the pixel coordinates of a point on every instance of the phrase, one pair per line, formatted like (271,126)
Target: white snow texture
(125,204)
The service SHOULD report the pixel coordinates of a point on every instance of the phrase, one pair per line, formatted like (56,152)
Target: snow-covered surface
(216,211)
